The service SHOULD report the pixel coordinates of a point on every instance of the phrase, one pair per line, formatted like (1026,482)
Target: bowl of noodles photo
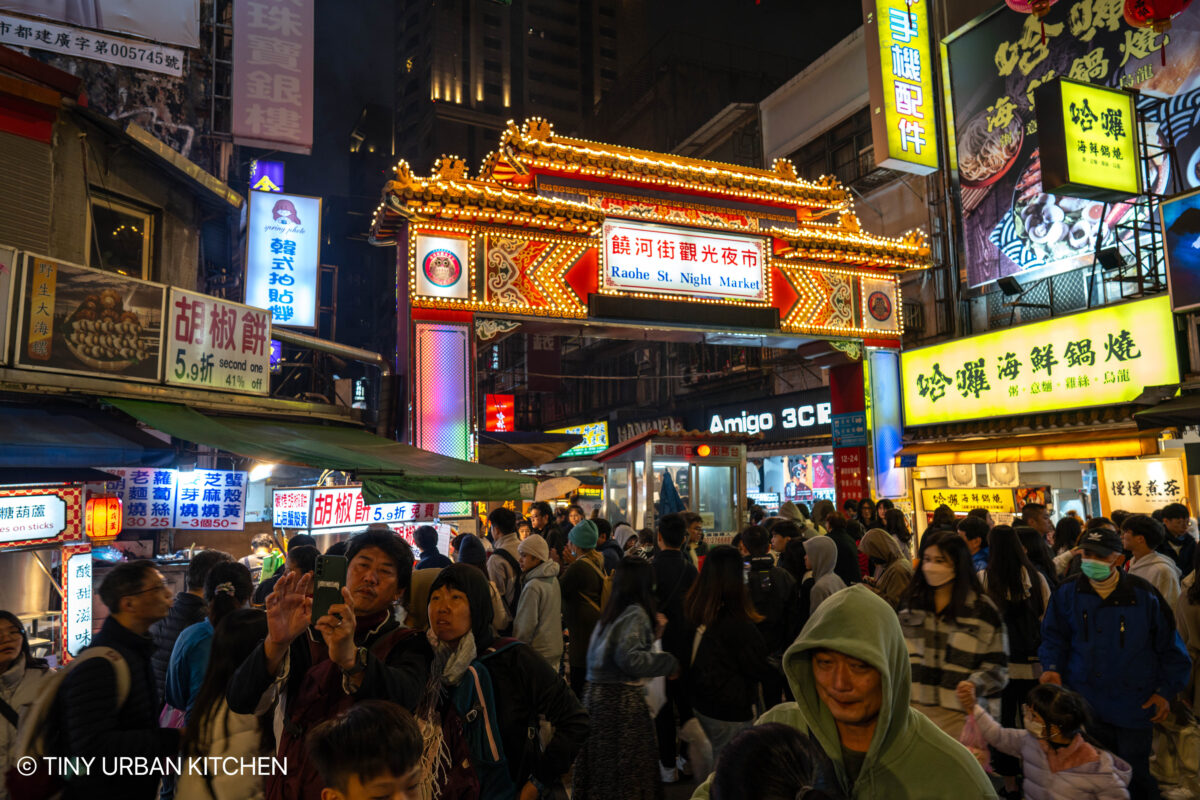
(984,156)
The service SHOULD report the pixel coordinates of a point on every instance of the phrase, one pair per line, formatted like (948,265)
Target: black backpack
(517,585)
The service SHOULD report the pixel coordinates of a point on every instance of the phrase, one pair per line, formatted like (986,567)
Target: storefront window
(120,237)
(715,500)
(622,501)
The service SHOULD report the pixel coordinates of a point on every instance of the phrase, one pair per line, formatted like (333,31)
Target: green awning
(390,472)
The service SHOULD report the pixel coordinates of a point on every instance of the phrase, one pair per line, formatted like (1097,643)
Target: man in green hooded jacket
(850,674)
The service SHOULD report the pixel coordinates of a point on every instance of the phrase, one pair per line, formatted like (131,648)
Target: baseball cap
(1102,542)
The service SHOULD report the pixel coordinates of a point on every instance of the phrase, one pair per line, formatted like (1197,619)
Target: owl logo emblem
(442,268)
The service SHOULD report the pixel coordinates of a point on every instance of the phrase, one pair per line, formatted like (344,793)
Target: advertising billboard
(995,65)
(283,257)
(172,21)
(1094,358)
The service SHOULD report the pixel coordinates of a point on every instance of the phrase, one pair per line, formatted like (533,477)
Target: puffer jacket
(229,735)
(538,621)
(19,687)
(186,611)
(620,652)
(1125,640)
(1105,778)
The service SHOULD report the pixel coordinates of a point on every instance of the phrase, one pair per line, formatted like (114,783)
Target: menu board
(201,499)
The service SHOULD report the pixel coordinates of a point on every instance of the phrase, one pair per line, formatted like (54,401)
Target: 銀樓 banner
(679,261)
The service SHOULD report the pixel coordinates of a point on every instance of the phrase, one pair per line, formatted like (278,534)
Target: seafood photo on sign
(101,322)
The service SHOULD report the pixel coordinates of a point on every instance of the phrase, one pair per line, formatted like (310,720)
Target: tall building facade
(466,67)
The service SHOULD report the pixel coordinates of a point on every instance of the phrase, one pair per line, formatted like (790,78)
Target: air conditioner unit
(1003,476)
(961,476)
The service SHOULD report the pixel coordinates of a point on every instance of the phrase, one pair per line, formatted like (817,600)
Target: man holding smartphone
(316,668)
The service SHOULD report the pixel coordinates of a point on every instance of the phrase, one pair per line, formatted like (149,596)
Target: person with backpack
(21,678)
(227,589)
(673,577)
(773,596)
(188,609)
(503,565)
(472,551)
(484,702)
(213,731)
(92,717)
(584,586)
(1021,593)
(620,656)
(729,654)
(538,619)
(357,651)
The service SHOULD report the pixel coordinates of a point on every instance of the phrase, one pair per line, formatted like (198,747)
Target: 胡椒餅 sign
(283,256)
(340,507)
(783,416)
(658,259)
(1094,358)
(900,80)
(216,344)
(1088,141)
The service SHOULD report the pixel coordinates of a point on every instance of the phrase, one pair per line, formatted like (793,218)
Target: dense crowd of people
(816,656)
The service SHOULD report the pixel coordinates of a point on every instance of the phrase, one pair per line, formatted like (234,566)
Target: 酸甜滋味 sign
(678,261)
(1094,358)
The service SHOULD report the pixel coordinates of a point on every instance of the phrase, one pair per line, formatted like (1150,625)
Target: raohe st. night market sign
(1094,358)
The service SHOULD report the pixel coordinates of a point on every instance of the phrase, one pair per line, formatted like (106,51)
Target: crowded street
(599,399)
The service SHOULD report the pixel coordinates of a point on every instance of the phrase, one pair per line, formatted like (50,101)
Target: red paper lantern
(1039,8)
(103,518)
(1156,14)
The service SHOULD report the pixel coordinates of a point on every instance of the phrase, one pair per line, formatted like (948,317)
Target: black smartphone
(329,577)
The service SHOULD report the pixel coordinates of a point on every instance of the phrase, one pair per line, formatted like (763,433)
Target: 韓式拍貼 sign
(283,256)
(964,500)
(216,344)
(900,79)
(1094,358)
(595,439)
(663,260)
(1142,486)
(1088,141)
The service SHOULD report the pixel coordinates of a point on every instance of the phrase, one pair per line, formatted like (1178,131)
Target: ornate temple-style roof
(825,230)
(450,195)
(845,242)
(534,147)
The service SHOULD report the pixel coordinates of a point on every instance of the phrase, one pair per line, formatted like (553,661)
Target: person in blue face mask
(1111,637)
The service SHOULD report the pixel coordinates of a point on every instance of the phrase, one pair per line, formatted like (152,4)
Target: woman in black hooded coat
(524,687)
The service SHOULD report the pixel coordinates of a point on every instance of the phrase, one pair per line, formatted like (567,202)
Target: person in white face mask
(954,632)
(1059,759)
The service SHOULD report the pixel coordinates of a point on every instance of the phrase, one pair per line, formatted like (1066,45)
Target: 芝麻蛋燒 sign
(1094,358)
(964,500)
(283,256)
(217,344)
(900,79)
(679,261)
(1088,141)
(155,499)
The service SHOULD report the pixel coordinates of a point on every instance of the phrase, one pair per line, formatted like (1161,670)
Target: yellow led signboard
(900,75)
(964,500)
(1088,141)
(1095,358)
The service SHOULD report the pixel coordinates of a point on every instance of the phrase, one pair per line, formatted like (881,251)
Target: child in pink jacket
(1059,760)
